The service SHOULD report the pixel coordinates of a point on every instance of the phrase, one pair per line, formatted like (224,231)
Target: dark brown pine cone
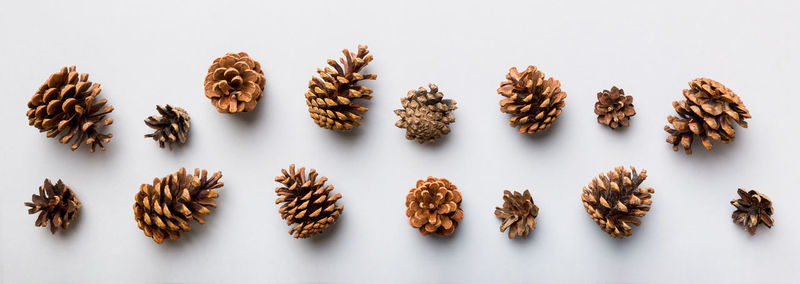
(518,213)
(434,207)
(752,208)
(57,205)
(616,201)
(614,108)
(171,127)
(235,83)
(425,115)
(533,102)
(307,202)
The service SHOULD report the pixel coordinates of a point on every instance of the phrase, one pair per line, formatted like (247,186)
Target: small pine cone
(533,102)
(307,202)
(163,209)
(708,112)
(331,96)
(615,200)
(171,127)
(614,108)
(56,204)
(518,213)
(67,104)
(752,208)
(434,206)
(234,83)
(425,115)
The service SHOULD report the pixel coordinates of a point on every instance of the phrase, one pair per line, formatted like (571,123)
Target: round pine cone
(425,115)
(235,83)
(533,102)
(163,209)
(67,104)
(57,205)
(708,112)
(614,108)
(615,200)
(752,208)
(331,96)
(518,213)
(307,202)
(171,127)
(434,206)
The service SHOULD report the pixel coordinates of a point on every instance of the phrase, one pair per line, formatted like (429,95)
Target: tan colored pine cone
(614,108)
(307,202)
(171,127)
(235,83)
(425,115)
(752,208)
(331,97)
(67,105)
(434,207)
(163,209)
(57,206)
(708,112)
(518,213)
(533,102)
(615,201)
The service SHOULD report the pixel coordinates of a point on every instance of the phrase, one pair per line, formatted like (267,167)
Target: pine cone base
(234,83)
(433,206)
(752,208)
(614,108)
(425,114)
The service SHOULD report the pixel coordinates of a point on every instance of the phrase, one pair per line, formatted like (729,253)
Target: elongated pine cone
(616,201)
(163,209)
(434,207)
(67,105)
(708,112)
(425,115)
(614,108)
(171,127)
(533,102)
(57,205)
(518,213)
(235,83)
(307,202)
(752,208)
(331,96)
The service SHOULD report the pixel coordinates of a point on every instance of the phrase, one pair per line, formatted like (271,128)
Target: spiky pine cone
(235,83)
(425,115)
(331,96)
(707,112)
(434,207)
(752,208)
(615,200)
(518,213)
(307,202)
(533,102)
(67,104)
(171,127)
(163,209)
(614,108)
(57,205)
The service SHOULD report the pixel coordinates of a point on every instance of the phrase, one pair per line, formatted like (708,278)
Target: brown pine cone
(234,83)
(163,209)
(56,204)
(616,200)
(331,96)
(518,213)
(67,104)
(307,202)
(708,111)
(752,208)
(171,127)
(425,115)
(614,108)
(533,102)
(434,206)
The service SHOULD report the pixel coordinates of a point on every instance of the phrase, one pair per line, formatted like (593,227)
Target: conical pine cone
(752,208)
(163,209)
(331,96)
(434,207)
(533,102)
(616,201)
(234,83)
(518,213)
(67,104)
(57,205)
(614,108)
(425,115)
(171,127)
(307,202)
(708,111)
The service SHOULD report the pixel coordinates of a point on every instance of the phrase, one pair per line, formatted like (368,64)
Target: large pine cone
(307,202)
(518,213)
(57,205)
(67,104)
(331,96)
(171,127)
(434,206)
(235,83)
(708,112)
(615,200)
(533,102)
(425,115)
(752,208)
(614,108)
(163,209)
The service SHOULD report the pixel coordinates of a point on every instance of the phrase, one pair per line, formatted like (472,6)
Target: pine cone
(706,112)
(235,83)
(163,209)
(67,104)
(425,115)
(434,206)
(533,102)
(752,208)
(171,127)
(616,200)
(614,108)
(307,202)
(331,96)
(518,213)
(56,204)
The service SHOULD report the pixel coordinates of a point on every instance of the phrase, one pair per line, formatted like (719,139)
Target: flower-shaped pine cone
(752,208)
(614,108)
(307,202)
(533,102)
(171,127)
(434,207)
(615,201)
(235,83)
(425,115)
(57,205)
(518,213)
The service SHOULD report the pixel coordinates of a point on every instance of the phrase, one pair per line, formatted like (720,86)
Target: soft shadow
(198,232)
(68,233)
(328,235)
(554,129)
(250,117)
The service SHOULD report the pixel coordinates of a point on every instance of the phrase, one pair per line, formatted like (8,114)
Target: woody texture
(613,108)
(235,83)
(425,115)
(518,214)
(752,208)
(433,206)
(615,201)
(170,127)
(307,203)
(533,102)
(56,204)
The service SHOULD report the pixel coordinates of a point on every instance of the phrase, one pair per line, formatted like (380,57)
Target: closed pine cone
(752,208)
(616,201)
(533,102)
(425,115)
(307,202)
(518,213)
(57,205)
(235,83)
(171,127)
(434,207)
(614,108)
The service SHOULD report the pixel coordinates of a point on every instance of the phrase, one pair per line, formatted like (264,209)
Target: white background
(157,52)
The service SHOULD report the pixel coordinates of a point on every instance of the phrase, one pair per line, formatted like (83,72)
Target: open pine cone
(163,209)
(614,108)
(67,105)
(434,207)
(533,102)
(331,96)
(616,201)
(518,213)
(307,202)
(171,127)
(235,83)
(752,208)
(425,115)
(57,205)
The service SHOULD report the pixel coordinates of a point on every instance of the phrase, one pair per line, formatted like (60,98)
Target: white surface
(156,52)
